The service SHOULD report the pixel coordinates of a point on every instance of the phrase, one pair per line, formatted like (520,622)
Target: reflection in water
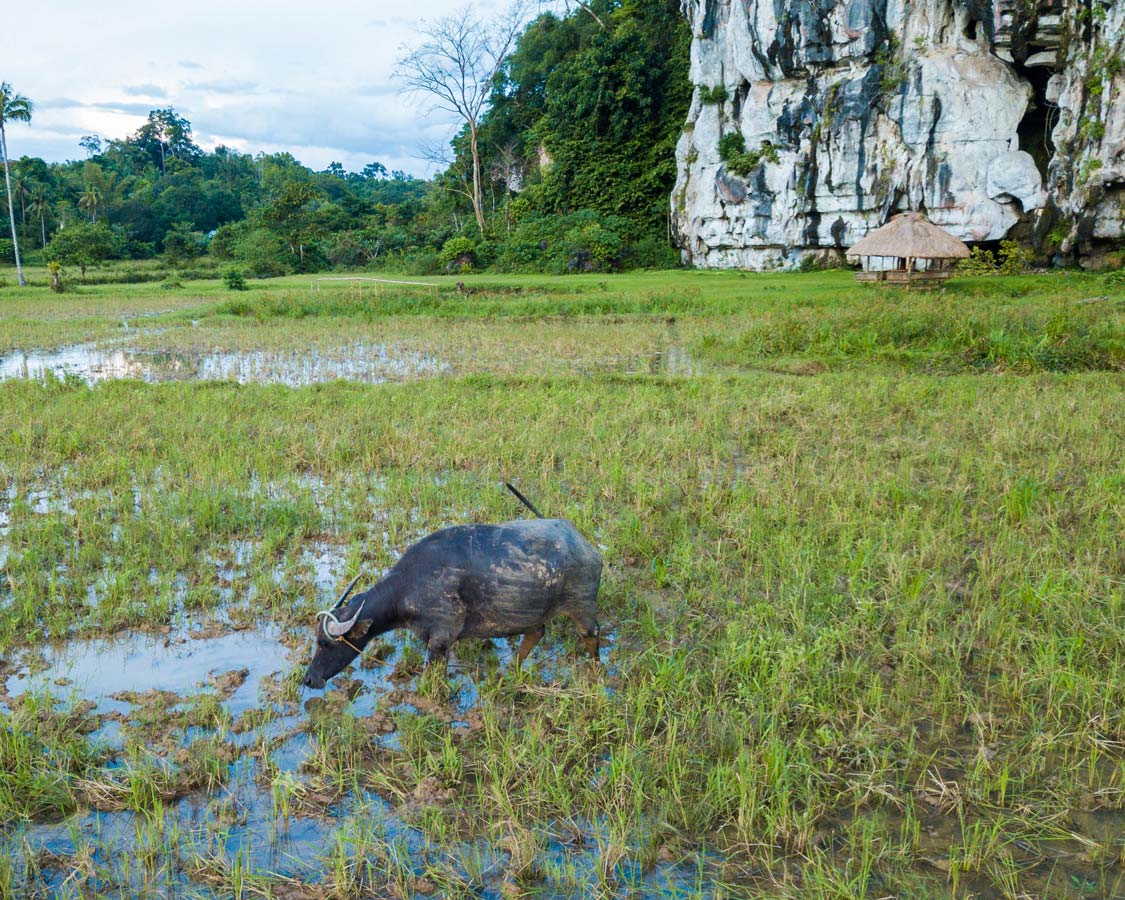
(369,363)
(244,823)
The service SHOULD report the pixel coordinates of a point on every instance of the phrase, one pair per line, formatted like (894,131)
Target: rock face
(997,118)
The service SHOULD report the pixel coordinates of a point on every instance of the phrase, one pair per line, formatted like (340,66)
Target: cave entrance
(1039,120)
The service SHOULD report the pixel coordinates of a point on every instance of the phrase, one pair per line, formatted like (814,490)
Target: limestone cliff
(813,120)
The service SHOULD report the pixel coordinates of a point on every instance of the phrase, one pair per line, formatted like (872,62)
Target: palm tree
(89,201)
(40,206)
(20,188)
(13,108)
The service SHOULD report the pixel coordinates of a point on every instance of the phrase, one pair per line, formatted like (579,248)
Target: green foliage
(182,244)
(54,271)
(459,254)
(740,161)
(1059,232)
(262,252)
(85,244)
(980,262)
(1115,279)
(580,241)
(1013,258)
(894,68)
(712,96)
(1088,168)
(584,117)
(1093,129)
(606,105)
(234,280)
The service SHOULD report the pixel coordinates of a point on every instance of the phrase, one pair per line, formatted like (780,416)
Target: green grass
(868,615)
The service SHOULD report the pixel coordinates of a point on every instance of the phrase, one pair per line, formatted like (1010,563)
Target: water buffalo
(478,581)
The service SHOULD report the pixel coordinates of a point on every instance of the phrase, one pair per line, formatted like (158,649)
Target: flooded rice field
(217,777)
(198,767)
(862,634)
(369,355)
(94,362)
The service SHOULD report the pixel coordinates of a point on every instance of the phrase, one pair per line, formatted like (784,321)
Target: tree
(166,133)
(13,108)
(290,217)
(40,205)
(21,189)
(89,201)
(596,106)
(456,65)
(182,244)
(374,170)
(91,143)
(84,244)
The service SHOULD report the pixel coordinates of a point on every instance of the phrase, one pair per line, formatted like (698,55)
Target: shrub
(262,253)
(711,96)
(225,238)
(234,280)
(171,282)
(56,272)
(739,160)
(652,253)
(85,244)
(182,244)
(980,262)
(1014,260)
(459,254)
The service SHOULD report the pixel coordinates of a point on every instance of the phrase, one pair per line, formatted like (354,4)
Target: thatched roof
(911,235)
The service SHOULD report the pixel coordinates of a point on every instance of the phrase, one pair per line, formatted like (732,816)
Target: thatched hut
(906,239)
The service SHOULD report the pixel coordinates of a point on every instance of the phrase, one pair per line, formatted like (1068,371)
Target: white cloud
(315,81)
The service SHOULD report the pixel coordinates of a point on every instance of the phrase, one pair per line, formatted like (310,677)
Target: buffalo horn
(347,591)
(338,629)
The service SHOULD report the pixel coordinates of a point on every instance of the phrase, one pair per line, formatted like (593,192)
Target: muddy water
(94,670)
(361,362)
(238,825)
(93,362)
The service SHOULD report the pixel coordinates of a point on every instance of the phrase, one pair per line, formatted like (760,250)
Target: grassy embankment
(864,577)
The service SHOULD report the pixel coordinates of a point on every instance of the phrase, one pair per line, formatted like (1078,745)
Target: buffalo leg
(530,639)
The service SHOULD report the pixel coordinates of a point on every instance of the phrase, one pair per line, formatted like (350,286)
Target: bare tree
(444,159)
(456,66)
(586,7)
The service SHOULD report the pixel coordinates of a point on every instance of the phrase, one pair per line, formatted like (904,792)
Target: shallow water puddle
(96,669)
(275,814)
(94,362)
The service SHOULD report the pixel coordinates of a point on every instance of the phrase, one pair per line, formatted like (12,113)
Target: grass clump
(936,334)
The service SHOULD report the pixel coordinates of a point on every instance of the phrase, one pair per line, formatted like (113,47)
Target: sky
(313,79)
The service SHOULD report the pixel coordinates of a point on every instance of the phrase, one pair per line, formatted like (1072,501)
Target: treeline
(577,148)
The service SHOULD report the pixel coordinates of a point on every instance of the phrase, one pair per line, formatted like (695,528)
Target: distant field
(864,593)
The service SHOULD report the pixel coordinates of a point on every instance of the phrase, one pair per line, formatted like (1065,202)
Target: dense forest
(577,151)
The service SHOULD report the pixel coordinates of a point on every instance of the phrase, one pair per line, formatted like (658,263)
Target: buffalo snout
(316,682)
